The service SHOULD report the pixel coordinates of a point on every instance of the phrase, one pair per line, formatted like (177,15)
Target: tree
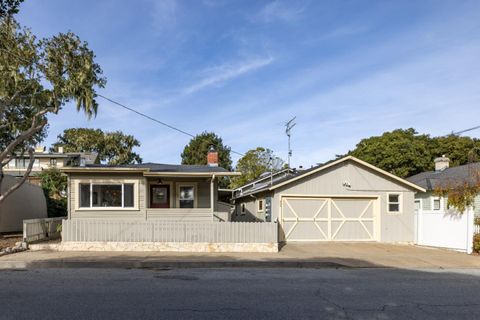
(38,78)
(115,148)
(54,185)
(254,163)
(195,152)
(404,152)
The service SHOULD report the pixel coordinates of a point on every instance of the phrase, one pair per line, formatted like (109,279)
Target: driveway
(300,255)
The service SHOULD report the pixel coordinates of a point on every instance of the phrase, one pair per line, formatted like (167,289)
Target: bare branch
(21,181)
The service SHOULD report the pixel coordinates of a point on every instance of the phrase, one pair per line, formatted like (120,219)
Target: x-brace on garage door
(328,218)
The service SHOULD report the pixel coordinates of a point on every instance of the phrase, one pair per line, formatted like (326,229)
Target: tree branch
(19,182)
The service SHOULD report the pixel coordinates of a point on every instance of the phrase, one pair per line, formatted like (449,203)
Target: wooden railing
(41,229)
(169,231)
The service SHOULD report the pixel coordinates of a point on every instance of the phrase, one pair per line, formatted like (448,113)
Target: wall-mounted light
(346,184)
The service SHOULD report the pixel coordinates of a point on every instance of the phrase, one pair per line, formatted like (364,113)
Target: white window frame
(442,206)
(93,182)
(400,201)
(195,194)
(262,201)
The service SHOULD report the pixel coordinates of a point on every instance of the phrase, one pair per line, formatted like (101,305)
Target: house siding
(201,212)
(364,182)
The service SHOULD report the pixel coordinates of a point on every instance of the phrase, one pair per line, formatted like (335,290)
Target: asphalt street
(375,293)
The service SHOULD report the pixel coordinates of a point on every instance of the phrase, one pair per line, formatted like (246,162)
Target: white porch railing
(169,231)
(41,229)
(476,228)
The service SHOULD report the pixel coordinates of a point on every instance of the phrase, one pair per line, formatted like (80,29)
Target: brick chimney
(212,157)
(441,163)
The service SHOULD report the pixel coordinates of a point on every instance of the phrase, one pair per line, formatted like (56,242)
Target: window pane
(394,207)
(107,195)
(393,198)
(128,195)
(436,204)
(186,197)
(84,195)
(11,163)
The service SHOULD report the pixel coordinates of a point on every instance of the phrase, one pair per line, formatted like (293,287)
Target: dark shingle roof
(160,167)
(432,179)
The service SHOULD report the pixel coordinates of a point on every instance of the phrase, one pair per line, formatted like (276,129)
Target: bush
(476,243)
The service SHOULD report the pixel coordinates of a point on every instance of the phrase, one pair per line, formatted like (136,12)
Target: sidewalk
(315,255)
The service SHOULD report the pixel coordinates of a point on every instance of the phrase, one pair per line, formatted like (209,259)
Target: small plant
(476,243)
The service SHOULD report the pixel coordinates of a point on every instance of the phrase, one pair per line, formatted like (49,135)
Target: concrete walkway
(312,255)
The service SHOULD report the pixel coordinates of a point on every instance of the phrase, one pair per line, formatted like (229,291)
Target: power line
(155,120)
(466,130)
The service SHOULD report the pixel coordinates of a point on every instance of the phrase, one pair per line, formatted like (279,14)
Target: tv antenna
(288,127)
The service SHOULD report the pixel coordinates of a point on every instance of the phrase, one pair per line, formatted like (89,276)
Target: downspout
(212,196)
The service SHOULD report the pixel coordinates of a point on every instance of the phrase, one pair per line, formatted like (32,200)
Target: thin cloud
(280,10)
(164,14)
(223,73)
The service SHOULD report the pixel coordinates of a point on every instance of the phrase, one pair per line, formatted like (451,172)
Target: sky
(346,69)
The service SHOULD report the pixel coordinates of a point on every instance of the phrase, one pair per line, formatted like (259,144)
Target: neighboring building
(342,200)
(27,202)
(43,160)
(441,177)
(148,191)
(437,224)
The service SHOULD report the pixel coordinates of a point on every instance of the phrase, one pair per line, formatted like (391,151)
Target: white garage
(342,200)
(329,219)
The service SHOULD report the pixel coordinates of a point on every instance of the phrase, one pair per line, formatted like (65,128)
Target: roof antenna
(289,125)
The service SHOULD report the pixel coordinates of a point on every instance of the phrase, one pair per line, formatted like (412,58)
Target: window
(53,162)
(242,208)
(186,196)
(394,202)
(106,195)
(36,163)
(11,164)
(437,204)
(260,205)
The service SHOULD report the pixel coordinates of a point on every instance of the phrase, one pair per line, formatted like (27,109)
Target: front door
(159,196)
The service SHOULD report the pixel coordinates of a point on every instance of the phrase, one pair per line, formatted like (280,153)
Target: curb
(17,265)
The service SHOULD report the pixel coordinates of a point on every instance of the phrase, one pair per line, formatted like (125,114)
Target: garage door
(328,219)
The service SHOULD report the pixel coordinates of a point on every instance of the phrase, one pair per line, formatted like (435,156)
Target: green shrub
(476,243)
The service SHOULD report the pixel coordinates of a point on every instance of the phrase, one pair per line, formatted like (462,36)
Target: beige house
(147,191)
(17,166)
(342,200)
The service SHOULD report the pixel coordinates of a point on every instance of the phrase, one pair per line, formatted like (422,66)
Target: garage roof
(305,173)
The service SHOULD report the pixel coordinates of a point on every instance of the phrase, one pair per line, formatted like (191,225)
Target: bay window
(93,195)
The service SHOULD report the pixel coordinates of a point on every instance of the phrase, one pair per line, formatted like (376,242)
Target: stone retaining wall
(162,246)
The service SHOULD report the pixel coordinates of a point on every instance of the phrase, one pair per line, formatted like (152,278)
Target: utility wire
(131,109)
(466,130)
(155,120)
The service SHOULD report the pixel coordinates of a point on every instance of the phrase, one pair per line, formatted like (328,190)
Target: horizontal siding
(477,206)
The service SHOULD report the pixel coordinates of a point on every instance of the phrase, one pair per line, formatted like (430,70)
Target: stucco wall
(27,202)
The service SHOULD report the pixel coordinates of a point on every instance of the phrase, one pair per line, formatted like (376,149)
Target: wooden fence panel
(169,231)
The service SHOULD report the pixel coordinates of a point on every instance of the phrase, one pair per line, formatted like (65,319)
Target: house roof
(324,166)
(430,180)
(156,169)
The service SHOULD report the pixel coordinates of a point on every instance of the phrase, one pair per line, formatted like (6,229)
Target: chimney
(441,163)
(212,157)
(60,149)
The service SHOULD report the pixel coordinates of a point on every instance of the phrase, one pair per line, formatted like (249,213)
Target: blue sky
(346,69)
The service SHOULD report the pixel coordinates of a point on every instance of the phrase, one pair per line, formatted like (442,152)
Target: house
(27,202)
(342,200)
(17,166)
(437,224)
(148,191)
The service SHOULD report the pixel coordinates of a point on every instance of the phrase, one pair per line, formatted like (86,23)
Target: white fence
(169,231)
(446,229)
(41,229)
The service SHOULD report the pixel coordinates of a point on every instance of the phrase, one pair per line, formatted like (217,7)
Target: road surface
(239,294)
